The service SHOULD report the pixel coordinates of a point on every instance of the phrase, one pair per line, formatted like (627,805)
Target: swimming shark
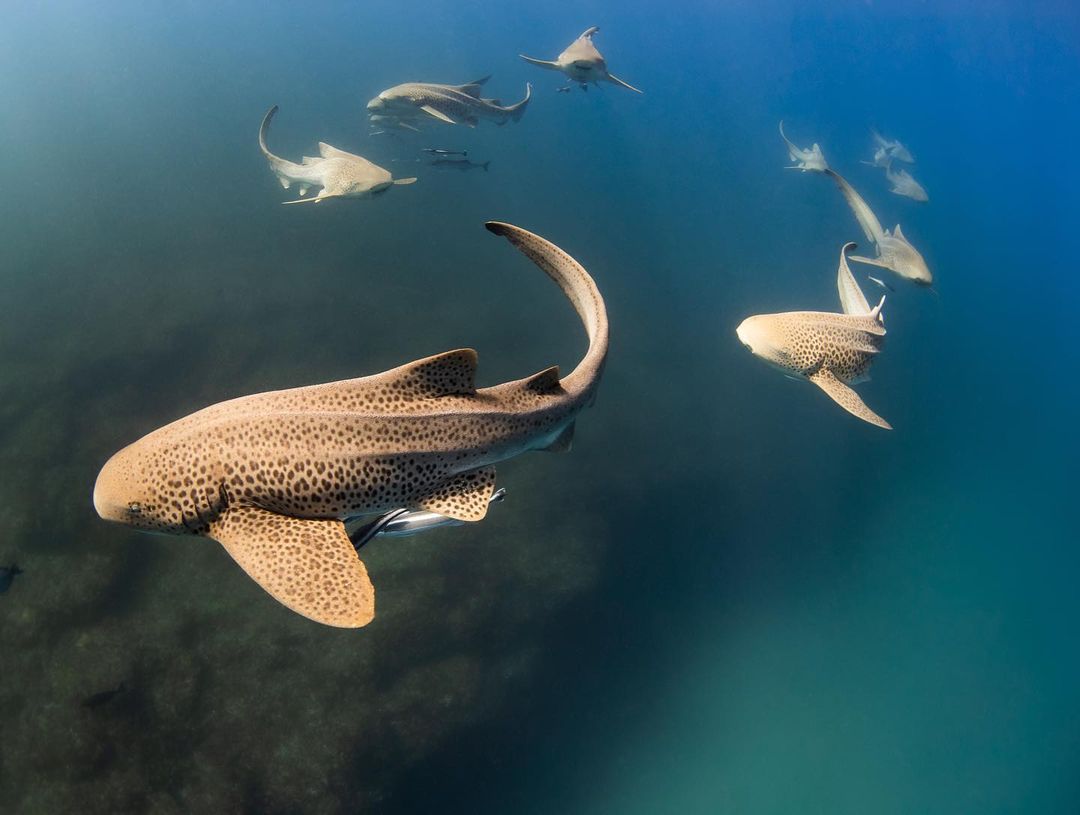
(831,350)
(812,160)
(894,251)
(452,104)
(273,476)
(903,184)
(339,174)
(889,149)
(582,62)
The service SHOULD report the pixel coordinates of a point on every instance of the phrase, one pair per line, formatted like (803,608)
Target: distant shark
(452,104)
(582,62)
(831,350)
(903,184)
(894,251)
(273,476)
(886,149)
(811,160)
(339,174)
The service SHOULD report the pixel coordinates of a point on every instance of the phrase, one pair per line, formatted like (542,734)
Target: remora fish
(453,104)
(903,184)
(440,152)
(830,350)
(339,174)
(459,164)
(272,476)
(894,252)
(582,62)
(812,160)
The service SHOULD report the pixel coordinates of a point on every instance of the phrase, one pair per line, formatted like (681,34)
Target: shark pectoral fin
(846,397)
(543,63)
(307,565)
(438,114)
(464,497)
(616,81)
(871,261)
(314,200)
(562,442)
(405,180)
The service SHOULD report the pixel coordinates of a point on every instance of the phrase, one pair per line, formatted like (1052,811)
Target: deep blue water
(730,596)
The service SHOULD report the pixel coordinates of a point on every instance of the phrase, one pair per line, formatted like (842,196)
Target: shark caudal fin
(846,397)
(518,110)
(578,287)
(282,168)
(542,63)
(852,299)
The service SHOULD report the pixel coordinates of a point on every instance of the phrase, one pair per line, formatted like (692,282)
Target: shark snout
(745,333)
(378,103)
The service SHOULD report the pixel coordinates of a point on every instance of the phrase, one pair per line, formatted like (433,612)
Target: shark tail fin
(516,111)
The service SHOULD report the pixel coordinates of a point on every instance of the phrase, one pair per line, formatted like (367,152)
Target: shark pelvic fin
(562,442)
(846,397)
(307,565)
(449,374)
(464,497)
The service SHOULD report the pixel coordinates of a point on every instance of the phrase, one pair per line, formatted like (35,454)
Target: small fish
(459,164)
(103,698)
(564,89)
(440,152)
(880,282)
(7,575)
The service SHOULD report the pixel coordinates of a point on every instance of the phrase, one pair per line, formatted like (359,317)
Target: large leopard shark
(582,63)
(338,174)
(831,350)
(273,476)
(894,250)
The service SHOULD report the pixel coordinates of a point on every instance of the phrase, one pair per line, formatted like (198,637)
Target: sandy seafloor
(730,596)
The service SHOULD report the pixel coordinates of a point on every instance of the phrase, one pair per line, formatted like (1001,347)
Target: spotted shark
(453,104)
(808,160)
(582,62)
(903,184)
(831,350)
(894,251)
(273,476)
(337,173)
(885,150)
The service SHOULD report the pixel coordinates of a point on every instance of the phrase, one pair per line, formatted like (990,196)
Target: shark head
(123,493)
(764,337)
(904,259)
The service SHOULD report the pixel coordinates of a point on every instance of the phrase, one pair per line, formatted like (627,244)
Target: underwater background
(731,596)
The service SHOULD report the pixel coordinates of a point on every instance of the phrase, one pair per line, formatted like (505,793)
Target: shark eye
(134,507)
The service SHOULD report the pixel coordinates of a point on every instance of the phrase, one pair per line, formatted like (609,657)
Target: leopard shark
(408,103)
(337,173)
(273,476)
(582,63)
(894,251)
(904,184)
(808,160)
(831,350)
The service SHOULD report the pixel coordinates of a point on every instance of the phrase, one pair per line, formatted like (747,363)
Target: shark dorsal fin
(876,311)
(898,233)
(307,160)
(475,87)
(449,374)
(547,381)
(329,151)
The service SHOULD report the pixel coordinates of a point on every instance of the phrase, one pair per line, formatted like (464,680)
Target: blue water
(731,596)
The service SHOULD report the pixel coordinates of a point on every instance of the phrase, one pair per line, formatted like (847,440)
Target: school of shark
(293,483)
